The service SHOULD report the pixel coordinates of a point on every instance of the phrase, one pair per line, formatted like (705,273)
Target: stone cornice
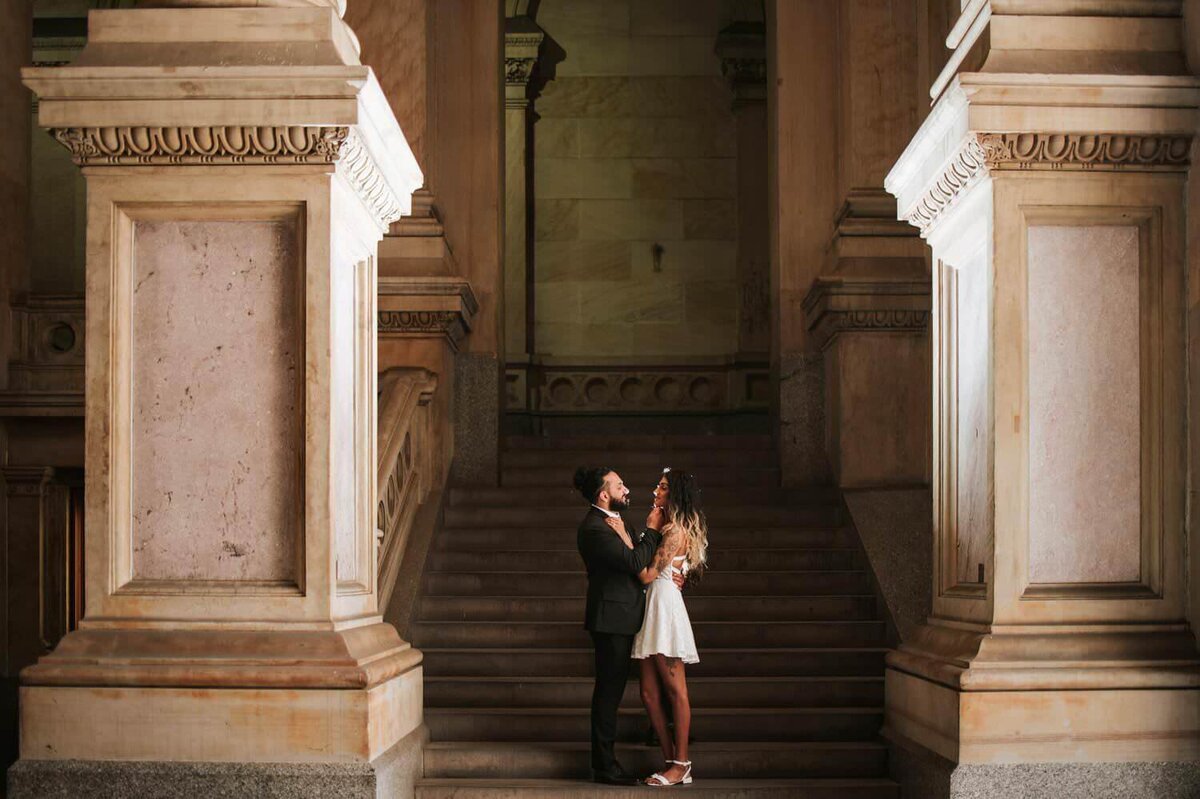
(837,305)
(93,146)
(983,154)
(426,307)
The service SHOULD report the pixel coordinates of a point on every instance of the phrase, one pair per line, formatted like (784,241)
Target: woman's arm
(666,551)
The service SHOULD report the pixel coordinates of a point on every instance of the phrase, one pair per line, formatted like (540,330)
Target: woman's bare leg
(674,682)
(652,700)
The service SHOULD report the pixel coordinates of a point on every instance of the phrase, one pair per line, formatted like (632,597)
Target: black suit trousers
(613,652)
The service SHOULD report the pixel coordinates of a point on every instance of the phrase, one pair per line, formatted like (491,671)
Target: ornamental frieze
(983,153)
(203,144)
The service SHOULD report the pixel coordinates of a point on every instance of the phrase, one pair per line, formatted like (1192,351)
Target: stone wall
(635,182)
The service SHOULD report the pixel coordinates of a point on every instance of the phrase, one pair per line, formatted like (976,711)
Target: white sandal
(663,782)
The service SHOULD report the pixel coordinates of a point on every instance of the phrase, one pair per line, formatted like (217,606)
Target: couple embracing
(635,611)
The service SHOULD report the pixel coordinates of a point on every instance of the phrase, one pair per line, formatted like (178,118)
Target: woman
(665,642)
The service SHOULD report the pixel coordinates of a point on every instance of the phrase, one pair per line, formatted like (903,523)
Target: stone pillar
(240,174)
(802,198)
(522,42)
(868,310)
(742,49)
(1057,653)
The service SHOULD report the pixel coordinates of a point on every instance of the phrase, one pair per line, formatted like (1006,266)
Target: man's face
(616,492)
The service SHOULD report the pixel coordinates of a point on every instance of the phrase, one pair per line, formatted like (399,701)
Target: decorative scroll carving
(962,170)
(365,177)
(982,153)
(522,45)
(618,389)
(203,145)
(518,70)
(426,307)
(742,48)
(837,305)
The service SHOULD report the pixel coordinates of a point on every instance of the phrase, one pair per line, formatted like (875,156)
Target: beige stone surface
(556,220)
(215,302)
(1085,503)
(590,261)
(630,220)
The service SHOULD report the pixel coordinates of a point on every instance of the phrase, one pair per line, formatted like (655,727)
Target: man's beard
(618,505)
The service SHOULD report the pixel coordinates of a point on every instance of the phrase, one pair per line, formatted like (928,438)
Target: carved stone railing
(637,388)
(411,465)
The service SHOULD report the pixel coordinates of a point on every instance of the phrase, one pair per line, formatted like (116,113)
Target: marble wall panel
(632,124)
(556,220)
(658,138)
(586,178)
(556,138)
(1084,404)
(684,177)
(217,359)
(630,220)
(585,261)
(585,17)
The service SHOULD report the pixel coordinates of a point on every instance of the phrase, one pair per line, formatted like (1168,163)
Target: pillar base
(926,774)
(1009,697)
(205,696)
(392,774)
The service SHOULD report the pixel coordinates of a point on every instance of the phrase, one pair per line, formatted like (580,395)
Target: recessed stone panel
(218,366)
(1084,405)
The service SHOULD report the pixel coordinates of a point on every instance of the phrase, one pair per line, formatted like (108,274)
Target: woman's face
(661,492)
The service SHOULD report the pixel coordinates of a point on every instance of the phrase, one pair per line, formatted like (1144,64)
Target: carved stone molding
(360,169)
(984,153)
(203,145)
(426,307)
(836,305)
(1084,151)
(46,370)
(636,389)
(244,145)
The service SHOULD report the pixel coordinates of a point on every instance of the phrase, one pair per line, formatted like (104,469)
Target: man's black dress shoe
(617,776)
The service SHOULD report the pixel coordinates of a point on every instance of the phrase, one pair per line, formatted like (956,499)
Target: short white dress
(667,630)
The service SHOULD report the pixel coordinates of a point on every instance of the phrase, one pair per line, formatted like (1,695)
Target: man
(616,603)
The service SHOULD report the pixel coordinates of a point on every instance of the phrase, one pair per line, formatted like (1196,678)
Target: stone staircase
(787,698)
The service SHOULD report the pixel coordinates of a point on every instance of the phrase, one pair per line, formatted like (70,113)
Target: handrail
(409,464)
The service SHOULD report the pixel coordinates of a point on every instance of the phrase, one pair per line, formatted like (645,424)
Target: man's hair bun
(589,480)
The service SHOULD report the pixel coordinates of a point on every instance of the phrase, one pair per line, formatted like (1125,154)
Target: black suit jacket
(616,599)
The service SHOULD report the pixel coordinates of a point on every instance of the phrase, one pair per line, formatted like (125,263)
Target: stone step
(714,583)
(639,443)
(541,691)
(577,662)
(569,760)
(701,608)
(708,724)
(643,477)
(486,537)
(491,788)
(568,559)
(568,518)
(719,634)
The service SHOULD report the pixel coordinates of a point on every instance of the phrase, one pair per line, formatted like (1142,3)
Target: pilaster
(241,171)
(522,46)
(1049,182)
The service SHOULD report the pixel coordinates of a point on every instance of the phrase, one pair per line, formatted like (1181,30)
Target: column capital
(989,124)
(522,46)
(742,48)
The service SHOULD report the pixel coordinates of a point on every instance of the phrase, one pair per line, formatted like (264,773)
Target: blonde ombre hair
(684,514)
